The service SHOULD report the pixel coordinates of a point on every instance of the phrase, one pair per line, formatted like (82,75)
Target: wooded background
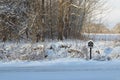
(37,20)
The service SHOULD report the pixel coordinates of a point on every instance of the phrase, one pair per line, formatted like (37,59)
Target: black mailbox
(90,44)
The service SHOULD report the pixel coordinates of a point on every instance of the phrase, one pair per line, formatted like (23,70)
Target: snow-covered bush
(115,54)
(26,51)
(55,50)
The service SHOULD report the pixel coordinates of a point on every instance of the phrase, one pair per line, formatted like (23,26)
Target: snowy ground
(58,49)
(107,37)
(61,69)
(66,60)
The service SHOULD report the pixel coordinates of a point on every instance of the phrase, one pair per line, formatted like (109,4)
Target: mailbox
(90,44)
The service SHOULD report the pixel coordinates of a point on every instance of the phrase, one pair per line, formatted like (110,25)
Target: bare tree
(37,20)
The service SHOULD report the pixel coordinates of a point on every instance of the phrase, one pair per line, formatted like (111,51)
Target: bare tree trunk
(43,21)
(60,21)
(51,27)
(67,21)
(26,32)
(82,19)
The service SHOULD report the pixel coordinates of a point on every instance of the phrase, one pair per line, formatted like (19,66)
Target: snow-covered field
(61,69)
(107,37)
(102,50)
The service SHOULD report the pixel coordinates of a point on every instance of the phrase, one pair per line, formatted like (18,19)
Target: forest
(38,20)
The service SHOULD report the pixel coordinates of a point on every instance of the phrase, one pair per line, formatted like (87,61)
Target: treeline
(97,28)
(116,29)
(37,20)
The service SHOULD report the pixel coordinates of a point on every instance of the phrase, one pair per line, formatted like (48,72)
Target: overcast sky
(113,16)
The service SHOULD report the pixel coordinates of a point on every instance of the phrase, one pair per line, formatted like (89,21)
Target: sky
(113,15)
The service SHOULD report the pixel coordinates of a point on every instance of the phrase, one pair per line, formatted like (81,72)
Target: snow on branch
(23,30)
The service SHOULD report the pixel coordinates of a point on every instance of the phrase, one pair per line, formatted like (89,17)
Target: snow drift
(102,50)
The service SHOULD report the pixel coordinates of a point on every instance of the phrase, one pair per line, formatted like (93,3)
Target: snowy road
(61,70)
(61,75)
